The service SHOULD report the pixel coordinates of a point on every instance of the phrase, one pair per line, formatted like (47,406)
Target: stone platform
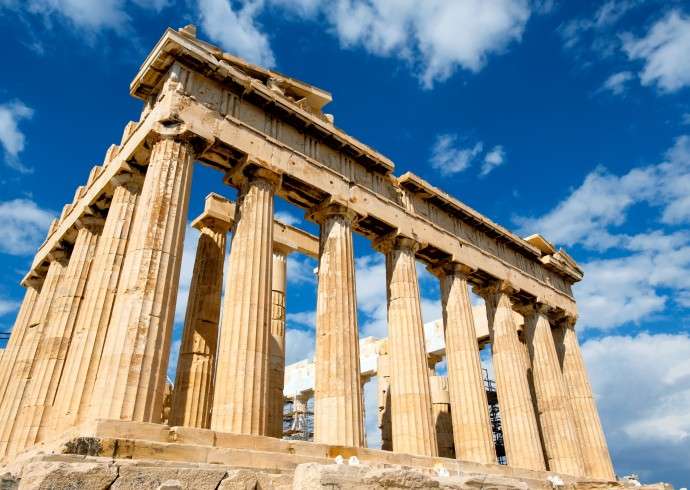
(115,454)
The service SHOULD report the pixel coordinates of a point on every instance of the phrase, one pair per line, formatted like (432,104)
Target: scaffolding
(298,420)
(495,417)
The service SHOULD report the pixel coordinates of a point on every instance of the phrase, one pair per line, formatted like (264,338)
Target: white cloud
(191,239)
(12,138)
(303,318)
(449,158)
(575,32)
(495,158)
(647,421)
(664,52)
(437,35)
(299,344)
(84,14)
(616,83)
(603,200)
(237,29)
(650,270)
(24,225)
(8,306)
(173,359)
(370,274)
(287,218)
(300,269)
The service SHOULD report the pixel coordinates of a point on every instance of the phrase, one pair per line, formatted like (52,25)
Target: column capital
(332,207)
(567,321)
(132,179)
(218,214)
(93,223)
(395,241)
(494,287)
(173,128)
(534,308)
(250,169)
(449,267)
(59,255)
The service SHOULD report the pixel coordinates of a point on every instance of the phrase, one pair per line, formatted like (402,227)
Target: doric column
(411,419)
(595,452)
(73,399)
(441,412)
(240,400)
(469,407)
(193,394)
(131,379)
(384,396)
(34,418)
(276,348)
(16,340)
(337,388)
(518,420)
(13,363)
(555,416)
(16,391)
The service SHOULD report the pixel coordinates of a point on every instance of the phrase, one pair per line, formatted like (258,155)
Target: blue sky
(567,118)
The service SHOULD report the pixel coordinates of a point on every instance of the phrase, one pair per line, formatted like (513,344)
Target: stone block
(136,477)
(191,435)
(313,476)
(64,475)
(239,480)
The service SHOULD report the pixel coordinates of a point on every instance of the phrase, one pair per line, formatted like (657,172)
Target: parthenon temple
(83,376)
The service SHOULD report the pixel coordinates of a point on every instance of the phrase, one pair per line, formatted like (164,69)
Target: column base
(157,446)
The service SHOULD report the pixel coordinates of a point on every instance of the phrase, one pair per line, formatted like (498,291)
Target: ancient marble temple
(84,372)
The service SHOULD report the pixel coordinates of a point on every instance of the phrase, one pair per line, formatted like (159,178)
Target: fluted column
(594,450)
(441,413)
(16,391)
(240,400)
(16,340)
(469,407)
(14,360)
(555,415)
(276,348)
(130,383)
(384,396)
(411,416)
(52,350)
(338,391)
(73,399)
(518,420)
(193,394)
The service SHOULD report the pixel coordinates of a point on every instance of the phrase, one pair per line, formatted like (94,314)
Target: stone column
(131,379)
(469,407)
(276,346)
(22,336)
(441,411)
(193,394)
(34,419)
(555,416)
(384,397)
(73,398)
(412,425)
(595,452)
(337,387)
(16,391)
(518,420)
(240,400)
(19,331)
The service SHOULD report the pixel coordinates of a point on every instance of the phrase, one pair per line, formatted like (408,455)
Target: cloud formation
(435,37)
(12,138)
(24,225)
(650,270)
(647,422)
(663,50)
